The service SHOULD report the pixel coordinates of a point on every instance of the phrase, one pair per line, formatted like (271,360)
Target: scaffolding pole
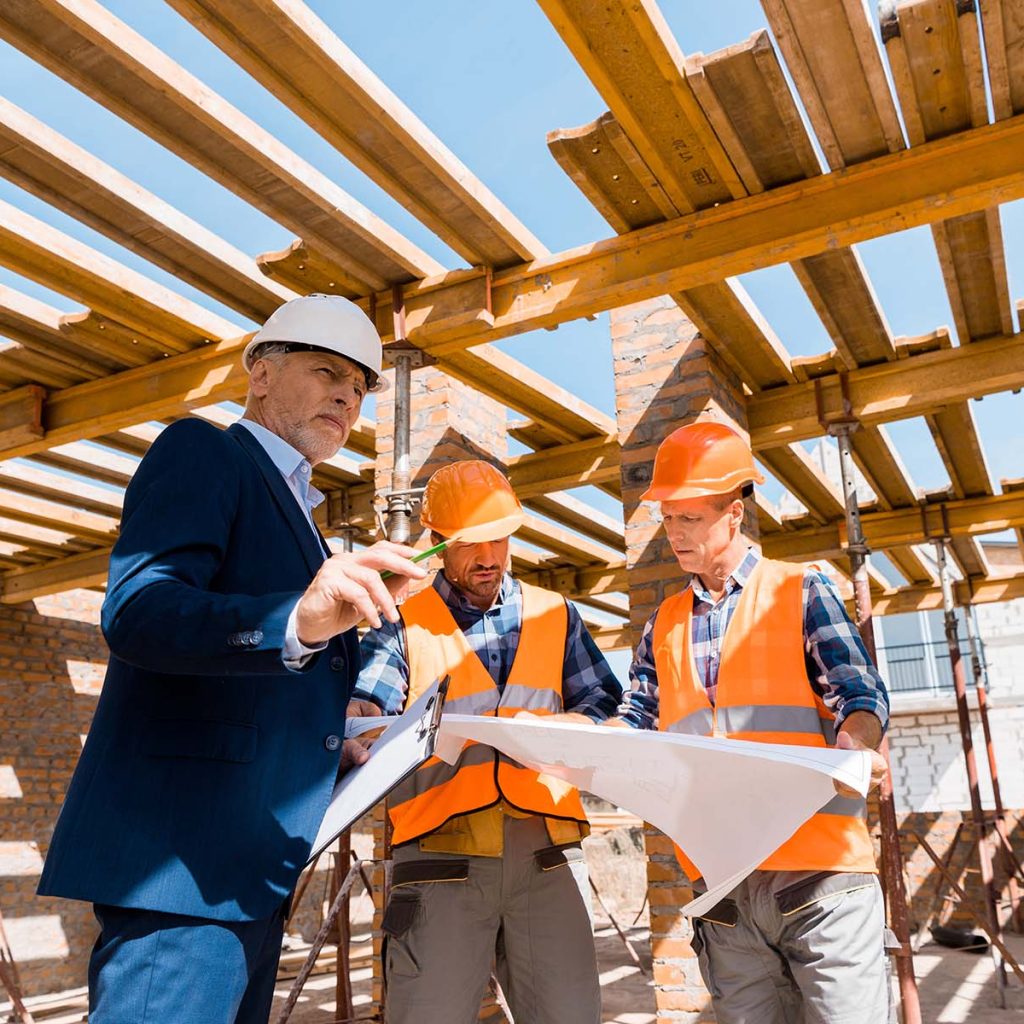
(991,897)
(892,857)
(1009,858)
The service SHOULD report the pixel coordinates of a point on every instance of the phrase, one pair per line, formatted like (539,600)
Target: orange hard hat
(472,502)
(699,459)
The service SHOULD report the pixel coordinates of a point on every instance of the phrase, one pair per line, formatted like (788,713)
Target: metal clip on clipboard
(407,742)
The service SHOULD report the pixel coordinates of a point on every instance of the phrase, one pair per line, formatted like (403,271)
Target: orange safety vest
(763,695)
(435,646)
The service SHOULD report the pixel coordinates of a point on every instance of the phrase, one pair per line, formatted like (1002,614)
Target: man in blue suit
(218,734)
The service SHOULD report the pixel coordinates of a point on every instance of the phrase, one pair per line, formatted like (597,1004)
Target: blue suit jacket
(208,765)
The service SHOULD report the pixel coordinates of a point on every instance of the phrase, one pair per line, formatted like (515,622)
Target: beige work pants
(807,953)
(451,917)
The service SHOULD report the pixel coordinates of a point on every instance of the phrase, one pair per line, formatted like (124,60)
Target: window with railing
(926,666)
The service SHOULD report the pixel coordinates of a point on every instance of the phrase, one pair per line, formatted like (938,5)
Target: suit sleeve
(163,611)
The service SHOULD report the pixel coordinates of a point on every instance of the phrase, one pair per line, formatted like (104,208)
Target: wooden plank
(20,366)
(572,581)
(84,570)
(618,183)
(1002,23)
(82,42)
(915,386)
(581,517)
(36,326)
(89,460)
(921,38)
(611,174)
(559,541)
(57,261)
(21,414)
(39,512)
(506,379)
(1007,487)
(965,517)
(798,472)
(635,63)
(292,53)
(111,339)
(745,95)
(923,599)
(971,170)
(22,478)
(593,461)
(52,167)
(831,52)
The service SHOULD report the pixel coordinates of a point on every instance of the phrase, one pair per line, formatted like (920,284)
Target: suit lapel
(286,501)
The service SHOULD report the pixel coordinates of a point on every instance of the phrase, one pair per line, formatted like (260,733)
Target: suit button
(337,663)
(256,637)
(332,742)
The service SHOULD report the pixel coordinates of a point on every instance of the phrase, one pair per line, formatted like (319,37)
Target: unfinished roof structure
(704,168)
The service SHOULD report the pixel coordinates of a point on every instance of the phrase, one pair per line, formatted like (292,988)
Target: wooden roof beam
(297,58)
(961,173)
(1003,28)
(923,599)
(593,461)
(920,37)
(574,582)
(53,259)
(634,61)
(36,326)
(82,42)
(964,517)
(832,53)
(68,177)
(915,386)
(581,517)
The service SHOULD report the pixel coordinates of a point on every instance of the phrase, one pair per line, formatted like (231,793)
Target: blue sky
(490,79)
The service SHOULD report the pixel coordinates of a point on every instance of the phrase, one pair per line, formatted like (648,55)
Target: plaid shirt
(838,666)
(588,685)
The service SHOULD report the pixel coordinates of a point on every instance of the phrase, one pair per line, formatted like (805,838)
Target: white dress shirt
(297,473)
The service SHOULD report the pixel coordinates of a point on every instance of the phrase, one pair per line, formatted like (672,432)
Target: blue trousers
(149,967)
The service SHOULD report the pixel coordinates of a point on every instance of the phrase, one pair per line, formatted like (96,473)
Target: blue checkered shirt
(838,666)
(588,685)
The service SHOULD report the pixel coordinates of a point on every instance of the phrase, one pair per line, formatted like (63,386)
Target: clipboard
(407,742)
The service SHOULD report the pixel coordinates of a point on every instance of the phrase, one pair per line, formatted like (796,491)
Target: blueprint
(727,803)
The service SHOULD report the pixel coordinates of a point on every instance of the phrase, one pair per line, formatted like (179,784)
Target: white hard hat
(329,322)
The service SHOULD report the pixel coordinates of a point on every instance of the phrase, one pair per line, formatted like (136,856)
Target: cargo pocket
(405,905)
(551,857)
(811,891)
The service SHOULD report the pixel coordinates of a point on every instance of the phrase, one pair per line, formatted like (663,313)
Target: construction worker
(487,857)
(761,650)
(217,738)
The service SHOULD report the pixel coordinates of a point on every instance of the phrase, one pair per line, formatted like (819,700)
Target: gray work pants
(805,953)
(450,917)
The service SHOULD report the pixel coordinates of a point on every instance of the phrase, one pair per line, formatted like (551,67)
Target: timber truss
(703,168)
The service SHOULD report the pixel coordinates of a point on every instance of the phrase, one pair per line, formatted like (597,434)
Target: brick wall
(927,755)
(666,375)
(52,661)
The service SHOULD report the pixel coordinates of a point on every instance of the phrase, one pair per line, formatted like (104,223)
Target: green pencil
(419,557)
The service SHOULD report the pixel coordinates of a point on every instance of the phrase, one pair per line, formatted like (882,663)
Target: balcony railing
(922,667)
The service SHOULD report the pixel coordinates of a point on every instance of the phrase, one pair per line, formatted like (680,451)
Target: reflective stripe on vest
(436,646)
(763,695)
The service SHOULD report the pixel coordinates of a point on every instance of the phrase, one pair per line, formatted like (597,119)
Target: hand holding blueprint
(727,803)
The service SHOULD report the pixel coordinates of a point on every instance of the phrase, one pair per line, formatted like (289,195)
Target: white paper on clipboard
(406,743)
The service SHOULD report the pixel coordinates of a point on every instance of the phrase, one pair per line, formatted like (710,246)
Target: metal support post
(991,897)
(1007,855)
(892,856)
(399,500)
